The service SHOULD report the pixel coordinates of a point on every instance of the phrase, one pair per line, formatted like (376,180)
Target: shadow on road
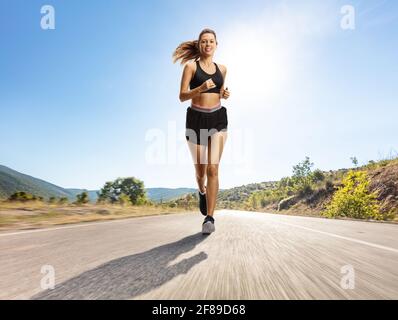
(127,277)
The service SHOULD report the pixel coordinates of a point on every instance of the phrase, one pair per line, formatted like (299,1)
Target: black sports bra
(201,76)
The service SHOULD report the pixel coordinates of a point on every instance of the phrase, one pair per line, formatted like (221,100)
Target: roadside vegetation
(366,192)
(122,198)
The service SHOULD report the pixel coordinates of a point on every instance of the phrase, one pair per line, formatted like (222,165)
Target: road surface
(250,256)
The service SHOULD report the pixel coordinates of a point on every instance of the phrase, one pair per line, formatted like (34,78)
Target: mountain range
(12,181)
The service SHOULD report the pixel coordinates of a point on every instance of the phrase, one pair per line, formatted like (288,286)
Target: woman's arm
(185,93)
(224,93)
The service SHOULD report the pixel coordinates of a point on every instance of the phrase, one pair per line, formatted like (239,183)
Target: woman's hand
(208,84)
(225,93)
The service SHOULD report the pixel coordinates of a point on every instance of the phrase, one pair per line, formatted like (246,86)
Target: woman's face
(207,44)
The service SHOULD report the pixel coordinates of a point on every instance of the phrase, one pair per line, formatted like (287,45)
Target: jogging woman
(206,119)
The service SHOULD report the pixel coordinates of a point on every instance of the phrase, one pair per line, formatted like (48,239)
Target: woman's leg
(199,154)
(215,149)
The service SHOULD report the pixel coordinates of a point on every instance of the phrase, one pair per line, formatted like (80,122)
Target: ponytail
(186,51)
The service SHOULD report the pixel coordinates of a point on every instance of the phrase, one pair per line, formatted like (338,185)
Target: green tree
(82,198)
(134,188)
(107,193)
(131,187)
(302,178)
(354,161)
(303,169)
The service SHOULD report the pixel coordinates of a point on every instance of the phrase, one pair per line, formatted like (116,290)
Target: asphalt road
(250,256)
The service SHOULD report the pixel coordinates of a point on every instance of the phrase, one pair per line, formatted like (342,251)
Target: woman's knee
(200,176)
(212,170)
(201,171)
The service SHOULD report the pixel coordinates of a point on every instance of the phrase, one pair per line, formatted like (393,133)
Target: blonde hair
(189,50)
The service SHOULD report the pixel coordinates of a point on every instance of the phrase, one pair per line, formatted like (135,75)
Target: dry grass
(31,215)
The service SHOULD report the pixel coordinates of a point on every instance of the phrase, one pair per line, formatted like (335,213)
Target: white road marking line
(342,237)
(57,228)
(80,225)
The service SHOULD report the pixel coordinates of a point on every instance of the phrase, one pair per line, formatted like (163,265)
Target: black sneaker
(202,203)
(208,225)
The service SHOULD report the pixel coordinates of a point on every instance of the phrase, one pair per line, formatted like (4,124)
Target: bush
(82,198)
(63,200)
(305,190)
(353,199)
(317,176)
(52,200)
(23,196)
(260,199)
(329,185)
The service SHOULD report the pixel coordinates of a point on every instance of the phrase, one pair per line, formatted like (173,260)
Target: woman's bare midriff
(207,100)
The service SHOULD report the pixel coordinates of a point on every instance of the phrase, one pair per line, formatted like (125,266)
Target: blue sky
(80,104)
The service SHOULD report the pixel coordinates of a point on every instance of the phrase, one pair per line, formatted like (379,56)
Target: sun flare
(257,62)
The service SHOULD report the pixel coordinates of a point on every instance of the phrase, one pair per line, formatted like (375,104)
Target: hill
(12,181)
(313,198)
(167,194)
(233,197)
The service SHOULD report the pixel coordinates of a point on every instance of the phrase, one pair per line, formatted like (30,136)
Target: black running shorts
(201,125)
